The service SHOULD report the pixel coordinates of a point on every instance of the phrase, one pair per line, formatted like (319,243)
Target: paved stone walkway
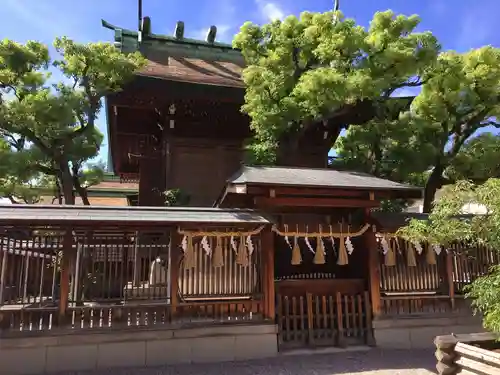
(372,362)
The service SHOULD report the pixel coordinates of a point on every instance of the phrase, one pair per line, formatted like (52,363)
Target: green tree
(434,139)
(477,161)
(386,149)
(311,77)
(445,226)
(460,96)
(50,129)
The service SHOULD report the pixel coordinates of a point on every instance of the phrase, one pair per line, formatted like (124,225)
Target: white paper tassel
(287,240)
(250,245)
(234,246)
(308,244)
(436,248)
(385,245)
(332,239)
(418,247)
(205,245)
(184,244)
(348,245)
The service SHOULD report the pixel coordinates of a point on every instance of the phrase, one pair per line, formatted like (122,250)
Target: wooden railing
(324,320)
(106,317)
(113,285)
(424,288)
(230,280)
(419,304)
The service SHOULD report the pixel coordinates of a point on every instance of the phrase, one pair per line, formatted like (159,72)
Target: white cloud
(270,10)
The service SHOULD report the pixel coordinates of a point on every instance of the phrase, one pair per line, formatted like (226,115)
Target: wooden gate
(323,319)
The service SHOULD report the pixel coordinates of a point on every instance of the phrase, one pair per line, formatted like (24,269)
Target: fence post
(174,265)
(449,277)
(267,272)
(373,270)
(67,253)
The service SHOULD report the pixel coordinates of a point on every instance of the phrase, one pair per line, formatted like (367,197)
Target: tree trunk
(431,187)
(66,183)
(82,192)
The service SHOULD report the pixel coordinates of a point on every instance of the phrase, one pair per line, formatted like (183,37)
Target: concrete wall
(419,332)
(74,352)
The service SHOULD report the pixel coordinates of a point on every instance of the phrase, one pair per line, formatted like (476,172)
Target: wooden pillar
(3,275)
(373,270)
(136,277)
(174,264)
(267,244)
(67,254)
(449,278)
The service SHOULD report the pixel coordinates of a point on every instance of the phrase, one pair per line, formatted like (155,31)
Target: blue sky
(459,24)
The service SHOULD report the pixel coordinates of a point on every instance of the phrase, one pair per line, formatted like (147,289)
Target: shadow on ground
(373,362)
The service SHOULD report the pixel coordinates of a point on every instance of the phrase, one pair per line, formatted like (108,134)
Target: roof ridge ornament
(179,30)
(212,34)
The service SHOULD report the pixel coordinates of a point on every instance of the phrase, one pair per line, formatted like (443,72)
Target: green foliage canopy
(433,141)
(445,225)
(49,129)
(304,72)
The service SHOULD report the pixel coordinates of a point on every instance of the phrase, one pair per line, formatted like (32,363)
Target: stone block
(213,349)
(71,358)
(121,354)
(22,361)
(168,352)
(256,346)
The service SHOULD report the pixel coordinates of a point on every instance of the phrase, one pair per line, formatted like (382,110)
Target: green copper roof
(148,36)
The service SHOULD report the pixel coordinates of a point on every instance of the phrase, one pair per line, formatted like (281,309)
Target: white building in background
(471,208)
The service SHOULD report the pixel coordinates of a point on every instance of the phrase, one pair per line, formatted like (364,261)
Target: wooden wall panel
(201,171)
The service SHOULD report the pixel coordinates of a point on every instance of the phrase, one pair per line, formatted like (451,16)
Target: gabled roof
(183,59)
(311,177)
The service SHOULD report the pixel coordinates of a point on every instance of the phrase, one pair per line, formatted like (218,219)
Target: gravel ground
(372,362)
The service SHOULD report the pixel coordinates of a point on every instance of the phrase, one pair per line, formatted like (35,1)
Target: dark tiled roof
(126,215)
(307,177)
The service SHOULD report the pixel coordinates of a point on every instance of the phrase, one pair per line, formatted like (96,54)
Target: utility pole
(336,5)
(139,13)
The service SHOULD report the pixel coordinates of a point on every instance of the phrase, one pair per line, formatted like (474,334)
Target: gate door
(324,320)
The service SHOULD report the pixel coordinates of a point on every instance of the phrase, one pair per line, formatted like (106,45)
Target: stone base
(92,351)
(419,332)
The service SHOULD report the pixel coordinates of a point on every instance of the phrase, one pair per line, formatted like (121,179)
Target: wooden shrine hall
(251,261)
